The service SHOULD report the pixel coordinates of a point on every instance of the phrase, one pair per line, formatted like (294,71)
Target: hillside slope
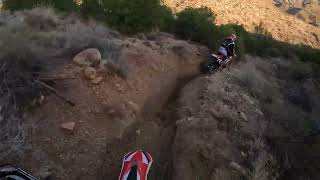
(251,13)
(306,10)
(257,121)
(252,121)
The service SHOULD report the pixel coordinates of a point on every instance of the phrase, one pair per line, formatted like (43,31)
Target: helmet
(233,37)
(136,166)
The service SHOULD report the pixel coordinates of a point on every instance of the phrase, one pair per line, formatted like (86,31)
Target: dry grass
(290,101)
(65,36)
(30,41)
(17,90)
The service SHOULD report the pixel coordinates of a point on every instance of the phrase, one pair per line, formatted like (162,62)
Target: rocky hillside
(306,10)
(281,25)
(257,121)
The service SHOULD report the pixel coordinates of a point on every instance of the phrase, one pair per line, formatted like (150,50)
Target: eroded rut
(153,132)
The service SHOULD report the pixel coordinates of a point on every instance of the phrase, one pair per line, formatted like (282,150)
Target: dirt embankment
(257,121)
(115,116)
(251,13)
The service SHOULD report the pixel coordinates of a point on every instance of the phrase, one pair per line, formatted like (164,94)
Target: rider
(226,50)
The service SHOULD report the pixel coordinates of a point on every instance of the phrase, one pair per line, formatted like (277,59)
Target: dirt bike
(214,63)
(135,166)
(13,173)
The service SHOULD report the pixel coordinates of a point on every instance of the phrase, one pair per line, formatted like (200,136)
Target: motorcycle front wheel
(209,66)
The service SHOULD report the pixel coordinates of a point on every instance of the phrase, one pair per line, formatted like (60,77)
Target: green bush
(62,5)
(129,16)
(92,8)
(14,5)
(196,24)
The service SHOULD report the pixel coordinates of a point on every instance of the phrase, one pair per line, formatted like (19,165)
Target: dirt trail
(116,116)
(154,132)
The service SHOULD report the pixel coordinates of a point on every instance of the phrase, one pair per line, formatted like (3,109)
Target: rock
(247,98)
(88,57)
(235,166)
(148,44)
(135,107)
(159,35)
(182,49)
(141,36)
(103,65)
(69,126)
(243,154)
(97,80)
(119,88)
(138,131)
(90,73)
(41,99)
(111,112)
(259,112)
(46,173)
(278,2)
(244,117)
(214,113)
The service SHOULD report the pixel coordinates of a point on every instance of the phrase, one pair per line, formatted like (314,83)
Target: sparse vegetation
(196,24)
(289,102)
(19,69)
(27,48)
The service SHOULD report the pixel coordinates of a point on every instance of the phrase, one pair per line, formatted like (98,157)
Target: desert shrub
(93,8)
(288,98)
(306,53)
(19,70)
(166,19)
(196,24)
(259,29)
(62,5)
(129,16)
(18,4)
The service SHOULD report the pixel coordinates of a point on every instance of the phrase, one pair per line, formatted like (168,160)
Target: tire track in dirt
(154,132)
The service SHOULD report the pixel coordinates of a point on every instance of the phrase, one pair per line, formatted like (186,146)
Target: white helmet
(233,37)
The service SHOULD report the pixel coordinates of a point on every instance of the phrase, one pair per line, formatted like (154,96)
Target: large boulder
(88,57)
